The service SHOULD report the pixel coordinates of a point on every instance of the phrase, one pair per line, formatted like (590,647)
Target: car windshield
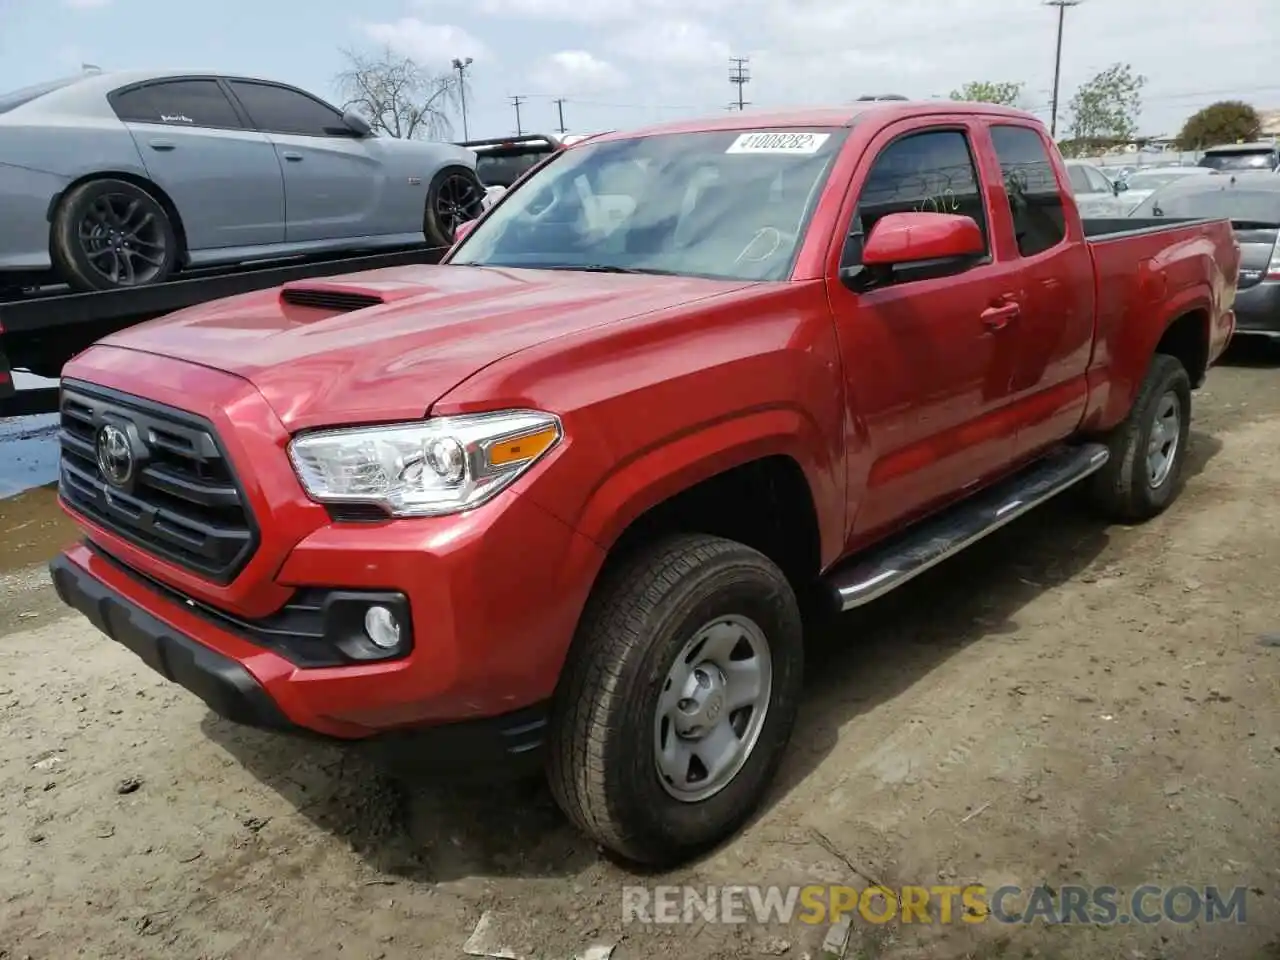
(1233,203)
(721,204)
(1241,160)
(503,169)
(16,98)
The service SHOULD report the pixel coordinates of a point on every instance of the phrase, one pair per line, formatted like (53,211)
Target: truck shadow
(437,833)
(1259,352)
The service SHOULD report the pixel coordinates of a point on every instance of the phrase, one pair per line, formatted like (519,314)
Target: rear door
(927,372)
(222,176)
(1053,332)
(335,184)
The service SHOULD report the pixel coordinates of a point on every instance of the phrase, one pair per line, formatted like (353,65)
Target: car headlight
(429,468)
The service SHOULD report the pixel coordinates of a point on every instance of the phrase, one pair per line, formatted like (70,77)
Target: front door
(223,178)
(927,361)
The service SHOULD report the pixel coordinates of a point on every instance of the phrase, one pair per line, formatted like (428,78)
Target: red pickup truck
(561,500)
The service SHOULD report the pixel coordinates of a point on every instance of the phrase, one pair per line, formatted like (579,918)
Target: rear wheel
(678,699)
(1148,449)
(109,234)
(454,196)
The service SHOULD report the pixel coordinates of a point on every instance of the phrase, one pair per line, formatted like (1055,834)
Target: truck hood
(387,344)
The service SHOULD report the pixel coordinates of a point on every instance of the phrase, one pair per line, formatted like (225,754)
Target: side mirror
(461,230)
(901,238)
(357,124)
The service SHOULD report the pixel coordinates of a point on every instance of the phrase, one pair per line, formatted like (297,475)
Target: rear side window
(929,172)
(282,110)
(177,103)
(1032,188)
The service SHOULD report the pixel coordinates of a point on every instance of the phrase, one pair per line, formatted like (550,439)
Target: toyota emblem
(115,455)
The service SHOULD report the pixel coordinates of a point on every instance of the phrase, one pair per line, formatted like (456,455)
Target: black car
(1241,157)
(1252,202)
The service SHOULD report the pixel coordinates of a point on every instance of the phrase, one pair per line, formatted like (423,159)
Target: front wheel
(678,698)
(109,234)
(454,196)
(1148,449)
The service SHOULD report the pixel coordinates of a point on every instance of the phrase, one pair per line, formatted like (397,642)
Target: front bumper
(1258,310)
(503,745)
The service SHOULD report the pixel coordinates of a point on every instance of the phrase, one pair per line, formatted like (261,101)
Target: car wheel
(1148,449)
(678,698)
(109,234)
(454,196)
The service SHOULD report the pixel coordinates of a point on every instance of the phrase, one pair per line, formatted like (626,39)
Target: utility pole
(560,110)
(515,102)
(739,76)
(1057,61)
(461,66)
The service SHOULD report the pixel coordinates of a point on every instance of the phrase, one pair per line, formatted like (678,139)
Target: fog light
(381,626)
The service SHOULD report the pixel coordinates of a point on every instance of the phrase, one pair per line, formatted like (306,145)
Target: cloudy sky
(621,63)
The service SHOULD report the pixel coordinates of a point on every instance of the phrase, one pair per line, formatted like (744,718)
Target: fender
(1137,344)
(641,480)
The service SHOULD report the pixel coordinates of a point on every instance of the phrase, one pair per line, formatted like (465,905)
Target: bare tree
(398,96)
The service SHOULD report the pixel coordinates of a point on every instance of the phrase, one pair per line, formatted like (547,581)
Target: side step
(888,566)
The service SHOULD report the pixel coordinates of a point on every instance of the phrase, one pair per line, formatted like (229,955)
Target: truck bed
(1102,229)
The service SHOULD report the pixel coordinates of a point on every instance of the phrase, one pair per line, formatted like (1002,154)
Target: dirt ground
(1070,703)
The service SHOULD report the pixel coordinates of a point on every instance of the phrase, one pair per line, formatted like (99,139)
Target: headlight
(434,467)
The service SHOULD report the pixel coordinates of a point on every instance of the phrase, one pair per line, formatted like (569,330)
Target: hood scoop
(334,298)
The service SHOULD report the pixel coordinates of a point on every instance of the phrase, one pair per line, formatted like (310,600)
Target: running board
(938,538)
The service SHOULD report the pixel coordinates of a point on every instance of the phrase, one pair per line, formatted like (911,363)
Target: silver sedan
(121,179)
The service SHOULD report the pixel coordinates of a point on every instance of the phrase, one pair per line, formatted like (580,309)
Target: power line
(740,77)
(1057,60)
(515,102)
(559,102)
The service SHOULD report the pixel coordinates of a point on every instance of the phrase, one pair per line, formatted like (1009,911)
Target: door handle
(162,144)
(998,317)
(292,155)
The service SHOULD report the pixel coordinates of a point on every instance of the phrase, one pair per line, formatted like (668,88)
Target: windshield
(1241,160)
(1240,203)
(721,204)
(16,98)
(503,169)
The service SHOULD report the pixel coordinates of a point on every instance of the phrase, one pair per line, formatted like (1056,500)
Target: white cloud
(426,43)
(576,72)
(674,43)
(832,51)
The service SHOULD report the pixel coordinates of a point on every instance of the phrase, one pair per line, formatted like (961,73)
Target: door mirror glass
(899,238)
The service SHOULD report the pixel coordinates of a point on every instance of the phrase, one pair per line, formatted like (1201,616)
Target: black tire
(454,196)
(1123,489)
(601,762)
(127,239)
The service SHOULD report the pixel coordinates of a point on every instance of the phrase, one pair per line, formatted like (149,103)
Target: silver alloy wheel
(712,708)
(1166,434)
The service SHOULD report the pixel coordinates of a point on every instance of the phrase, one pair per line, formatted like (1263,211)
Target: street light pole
(461,66)
(1057,60)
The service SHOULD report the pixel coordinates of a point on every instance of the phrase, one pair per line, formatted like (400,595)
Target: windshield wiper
(602,268)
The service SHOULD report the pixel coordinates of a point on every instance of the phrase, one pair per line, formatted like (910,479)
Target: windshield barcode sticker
(803,143)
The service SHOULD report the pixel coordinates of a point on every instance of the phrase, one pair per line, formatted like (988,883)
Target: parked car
(1252,202)
(1142,183)
(1240,157)
(1097,195)
(501,161)
(562,499)
(121,179)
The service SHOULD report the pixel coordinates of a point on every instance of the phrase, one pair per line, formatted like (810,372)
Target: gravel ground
(1072,703)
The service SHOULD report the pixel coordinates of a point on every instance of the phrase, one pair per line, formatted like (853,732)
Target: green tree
(1224,122)
(1004,92)
(1105,109)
